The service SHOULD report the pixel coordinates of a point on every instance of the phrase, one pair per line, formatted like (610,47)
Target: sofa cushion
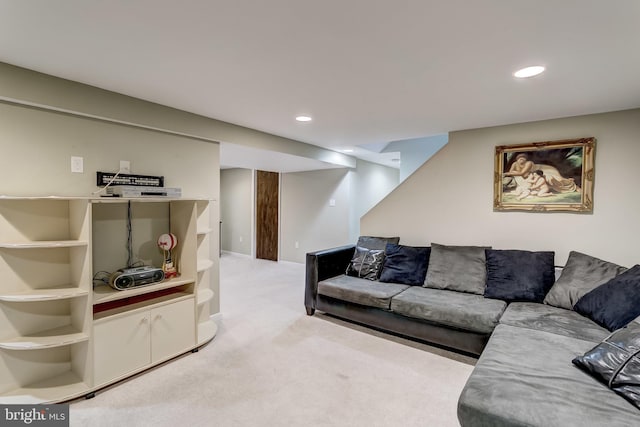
(366,263)
(525,377)
(405,264)
(360,291)
(515,275)
(456,309)
(552,319)
(614,304)
(615,362)
(375,242)
(581,274)
(457,268)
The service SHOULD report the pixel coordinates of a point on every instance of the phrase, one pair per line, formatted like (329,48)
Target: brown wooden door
(267,215)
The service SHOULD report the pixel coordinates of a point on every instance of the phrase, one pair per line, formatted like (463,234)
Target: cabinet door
(172,329)
(121,346)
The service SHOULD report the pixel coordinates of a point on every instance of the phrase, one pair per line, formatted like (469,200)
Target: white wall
(306,214)
(236,209)
(370,183)
(37,147)
(449,200)
(414,152)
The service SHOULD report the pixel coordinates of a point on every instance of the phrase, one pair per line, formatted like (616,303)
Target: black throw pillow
(614,304)
(366,263)
(406,265)
(514,275)
(615,362)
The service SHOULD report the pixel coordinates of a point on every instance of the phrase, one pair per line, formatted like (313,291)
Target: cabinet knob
(144,320)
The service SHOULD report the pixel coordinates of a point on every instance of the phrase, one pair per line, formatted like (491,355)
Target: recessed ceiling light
(529,72)
(303,118)
(347,150)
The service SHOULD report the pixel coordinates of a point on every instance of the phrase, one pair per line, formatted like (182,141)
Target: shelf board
(44,244)
(204,231)
(204,264)
(207,330)
(204,295)
(102,294)
(56,389)
(44,294)
(58,337)
(137,199)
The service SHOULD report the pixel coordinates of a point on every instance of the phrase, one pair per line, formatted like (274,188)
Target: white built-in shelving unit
(62,337)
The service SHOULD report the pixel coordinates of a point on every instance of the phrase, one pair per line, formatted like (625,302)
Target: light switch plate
(77,164)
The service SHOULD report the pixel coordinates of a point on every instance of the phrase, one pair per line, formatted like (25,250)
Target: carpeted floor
(272,365)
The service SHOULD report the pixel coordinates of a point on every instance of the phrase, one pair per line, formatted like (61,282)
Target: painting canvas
(545,176)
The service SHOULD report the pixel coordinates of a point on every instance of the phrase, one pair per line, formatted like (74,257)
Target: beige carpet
(272,365)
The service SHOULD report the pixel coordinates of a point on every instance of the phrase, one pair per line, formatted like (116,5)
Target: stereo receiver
(128,278)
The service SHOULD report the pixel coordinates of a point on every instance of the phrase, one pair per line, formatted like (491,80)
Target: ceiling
(368,71)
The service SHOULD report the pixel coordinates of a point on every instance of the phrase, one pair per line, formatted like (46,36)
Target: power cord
(108,184)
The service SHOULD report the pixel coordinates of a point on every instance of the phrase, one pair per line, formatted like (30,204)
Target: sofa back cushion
(614,304)
(516,275)
(457,268)
(375,242)
(405,264)
(581,274)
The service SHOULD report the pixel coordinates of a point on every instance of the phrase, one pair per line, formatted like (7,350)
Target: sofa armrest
(321,265)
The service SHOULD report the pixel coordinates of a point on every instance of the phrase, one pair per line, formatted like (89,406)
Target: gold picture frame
(551,176)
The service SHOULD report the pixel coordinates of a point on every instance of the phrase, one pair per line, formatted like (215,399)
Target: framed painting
(545,176)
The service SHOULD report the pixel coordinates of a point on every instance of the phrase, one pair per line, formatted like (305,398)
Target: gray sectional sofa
(524,375)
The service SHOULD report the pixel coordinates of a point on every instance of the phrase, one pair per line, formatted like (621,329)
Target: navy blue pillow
(405,264)
(614,304)
(514,275)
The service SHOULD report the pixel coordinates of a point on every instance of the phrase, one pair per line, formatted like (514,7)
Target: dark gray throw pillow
(375,242)
(366,263)
(581,274)
(615,362)
(406,265)
(457,268)
(614,304)
(516,275)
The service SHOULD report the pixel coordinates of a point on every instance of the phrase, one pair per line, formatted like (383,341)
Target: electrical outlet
(77,164)
(297,245)
(240,239)
(125,166)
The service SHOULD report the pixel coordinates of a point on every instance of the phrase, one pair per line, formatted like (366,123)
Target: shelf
(102,294)
(45,244)
(206,331)
(49,197)
(44,294)
(204,264)
(57,337)
(57,389)
(204,231)
(204,295)
(140,303)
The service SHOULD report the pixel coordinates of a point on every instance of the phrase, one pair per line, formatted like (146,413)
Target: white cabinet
(172,330)
(61,337)
(128,342)
(122,345)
